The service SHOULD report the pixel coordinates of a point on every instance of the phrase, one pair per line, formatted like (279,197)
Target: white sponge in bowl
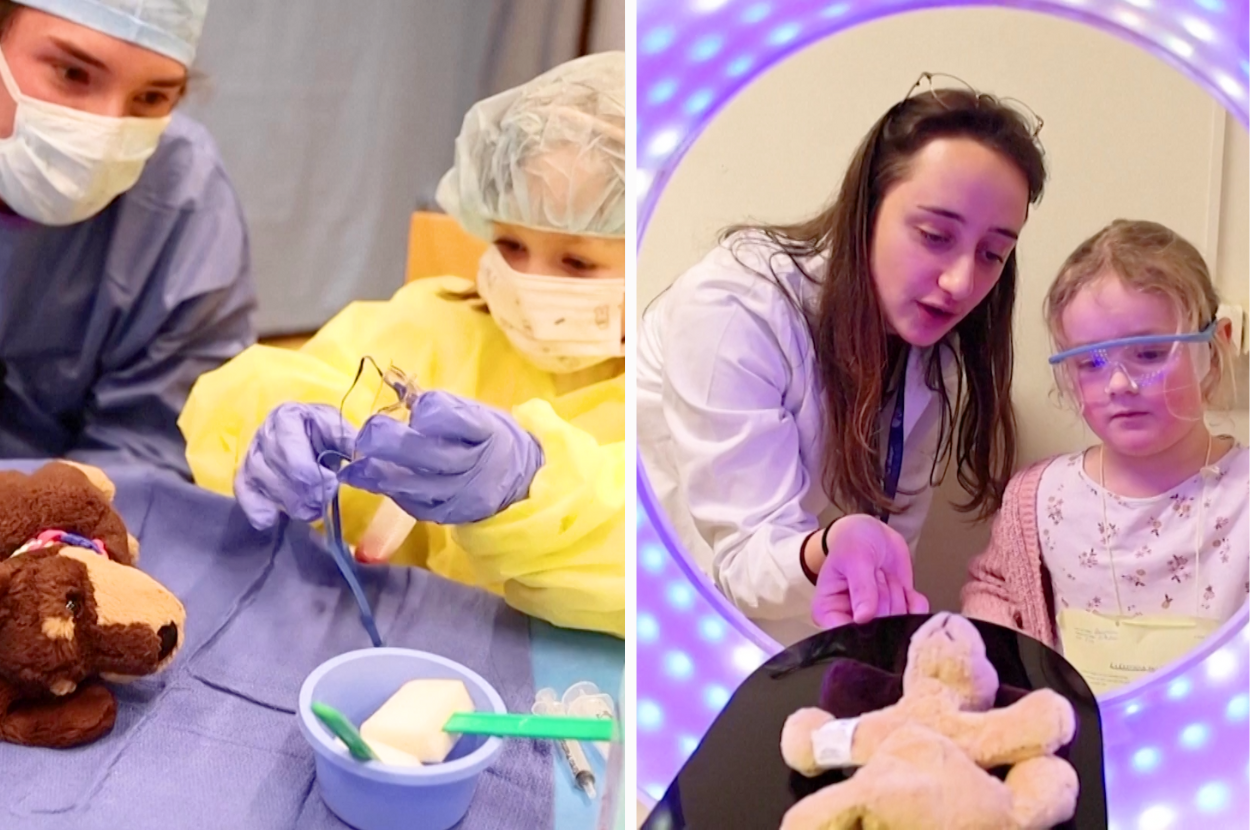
(412,720)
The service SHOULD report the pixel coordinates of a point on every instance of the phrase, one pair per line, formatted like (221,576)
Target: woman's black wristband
(807,572)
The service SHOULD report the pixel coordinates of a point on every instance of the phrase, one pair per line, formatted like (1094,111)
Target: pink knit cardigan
(1008,583)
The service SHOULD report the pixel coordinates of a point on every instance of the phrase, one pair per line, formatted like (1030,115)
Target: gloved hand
(867,574)
(456,461)
(280,473)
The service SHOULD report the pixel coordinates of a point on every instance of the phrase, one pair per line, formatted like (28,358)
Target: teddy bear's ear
(96,476)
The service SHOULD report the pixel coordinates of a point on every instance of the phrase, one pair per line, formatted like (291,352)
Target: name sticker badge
(831,743)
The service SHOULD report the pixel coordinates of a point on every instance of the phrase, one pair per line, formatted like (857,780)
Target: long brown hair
(854,355)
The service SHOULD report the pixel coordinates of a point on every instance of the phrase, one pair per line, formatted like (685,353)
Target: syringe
(583,776)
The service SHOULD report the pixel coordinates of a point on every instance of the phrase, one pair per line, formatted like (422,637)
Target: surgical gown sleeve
(730,352)
(194,314)
(560,552)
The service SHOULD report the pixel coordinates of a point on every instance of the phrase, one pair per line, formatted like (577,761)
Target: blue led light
(1145,760)
(657,40)
(739,66)
(689,743)
(711,628)
(1212,797)
(716,697)
(660,92)
(836,10)
(706,47)
(650,716)
(784,34)
(698,102)
(678,665)
(1177,689)
(1211,5)
(1238,708)
(756,13)
(680,595)
(652,558)
(1195,735)
(648,628)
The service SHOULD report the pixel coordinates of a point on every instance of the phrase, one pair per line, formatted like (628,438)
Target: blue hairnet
(168,27)
(549,154)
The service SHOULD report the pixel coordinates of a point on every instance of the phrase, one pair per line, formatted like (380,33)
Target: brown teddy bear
(73,609)
(949,687)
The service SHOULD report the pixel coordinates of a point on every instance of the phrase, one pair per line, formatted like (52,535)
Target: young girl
(514,463)
(799,374)
(1127,554)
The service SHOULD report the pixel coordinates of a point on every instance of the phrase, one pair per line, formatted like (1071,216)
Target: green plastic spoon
(344,731)
(539,727)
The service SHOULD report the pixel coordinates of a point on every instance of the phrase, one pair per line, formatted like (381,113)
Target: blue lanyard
(346,565)
(894,451)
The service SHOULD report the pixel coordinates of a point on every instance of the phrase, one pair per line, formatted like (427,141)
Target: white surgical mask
(560,324)
(62,165)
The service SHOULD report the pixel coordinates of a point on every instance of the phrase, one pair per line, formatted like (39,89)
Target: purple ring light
(1176,743)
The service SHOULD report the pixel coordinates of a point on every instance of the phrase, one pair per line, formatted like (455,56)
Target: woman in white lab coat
(770,419)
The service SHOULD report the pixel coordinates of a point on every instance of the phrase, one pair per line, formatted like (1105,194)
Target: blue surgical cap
(168,27)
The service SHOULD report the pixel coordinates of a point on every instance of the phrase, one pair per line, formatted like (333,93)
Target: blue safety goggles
(1142,359)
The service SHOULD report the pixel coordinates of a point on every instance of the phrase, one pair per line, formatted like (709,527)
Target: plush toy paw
(1041,723)
(1043,792)
(60,722)
(796,740)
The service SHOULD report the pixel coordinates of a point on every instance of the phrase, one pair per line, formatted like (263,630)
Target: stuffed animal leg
(79,717)
(918,780)
(1043,792)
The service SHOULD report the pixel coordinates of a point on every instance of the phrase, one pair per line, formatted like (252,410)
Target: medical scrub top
(105,324)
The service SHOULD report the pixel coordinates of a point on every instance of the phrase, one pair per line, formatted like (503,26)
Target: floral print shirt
(1160,565)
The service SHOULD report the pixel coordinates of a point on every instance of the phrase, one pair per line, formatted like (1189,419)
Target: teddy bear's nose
(169,638)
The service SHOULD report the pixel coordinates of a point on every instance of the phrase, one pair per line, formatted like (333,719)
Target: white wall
(1126,137)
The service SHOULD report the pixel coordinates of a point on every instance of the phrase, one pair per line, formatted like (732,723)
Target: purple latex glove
(456,461)
(281,474)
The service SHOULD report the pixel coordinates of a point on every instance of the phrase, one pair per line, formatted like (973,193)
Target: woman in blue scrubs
(124,270)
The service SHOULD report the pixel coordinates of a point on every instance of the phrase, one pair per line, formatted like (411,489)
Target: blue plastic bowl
(373,796)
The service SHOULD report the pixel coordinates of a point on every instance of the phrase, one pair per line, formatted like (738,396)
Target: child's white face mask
(560,324)
(62,165)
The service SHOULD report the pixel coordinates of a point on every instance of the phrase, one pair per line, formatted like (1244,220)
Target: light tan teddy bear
(920,780)
(926,754)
